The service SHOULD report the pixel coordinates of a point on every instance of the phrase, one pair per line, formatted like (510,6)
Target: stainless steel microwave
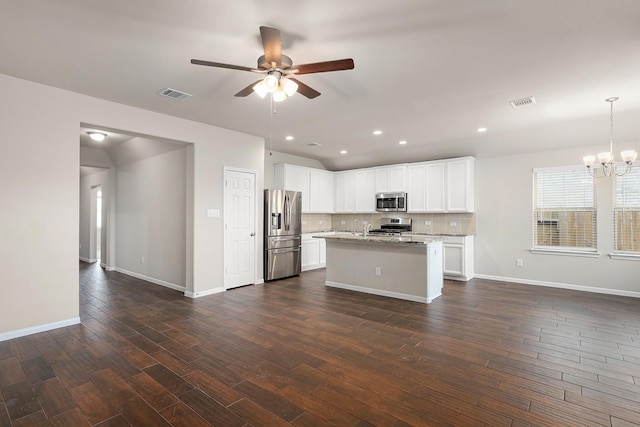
(391,202)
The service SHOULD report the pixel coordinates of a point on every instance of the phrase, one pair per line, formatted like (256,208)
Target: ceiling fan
(279,69)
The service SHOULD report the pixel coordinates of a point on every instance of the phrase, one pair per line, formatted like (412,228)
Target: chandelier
(605,159)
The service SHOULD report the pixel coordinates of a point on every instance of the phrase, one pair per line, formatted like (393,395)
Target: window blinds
(626,214)
(564,209)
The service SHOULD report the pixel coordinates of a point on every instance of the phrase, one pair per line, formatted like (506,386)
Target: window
(626,212)
(564,215)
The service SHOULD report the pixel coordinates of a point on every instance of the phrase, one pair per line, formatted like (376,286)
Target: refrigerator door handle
(284,251)
(287,212)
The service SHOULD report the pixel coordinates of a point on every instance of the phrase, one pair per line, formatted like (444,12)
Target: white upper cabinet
(441,186)
(365,190)
(416,187)
(321,191)
(294,178)
(345,192)
(435,188)
(391,179)
(460,185)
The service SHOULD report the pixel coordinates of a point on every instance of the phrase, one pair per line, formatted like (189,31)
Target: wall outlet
(141,260)
(519,263)
(377,271)
(453,224)
(427,222)
(343,222)
(321,222)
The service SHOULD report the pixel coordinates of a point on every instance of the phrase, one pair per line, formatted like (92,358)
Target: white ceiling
(426,71)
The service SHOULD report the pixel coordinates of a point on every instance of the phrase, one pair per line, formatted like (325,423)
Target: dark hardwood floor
(293,352)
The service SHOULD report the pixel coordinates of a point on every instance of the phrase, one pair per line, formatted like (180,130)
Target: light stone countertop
(414,240)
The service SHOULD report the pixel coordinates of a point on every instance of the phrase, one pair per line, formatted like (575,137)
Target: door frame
(257,223)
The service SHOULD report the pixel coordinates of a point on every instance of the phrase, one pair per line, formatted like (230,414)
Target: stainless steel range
(392,227)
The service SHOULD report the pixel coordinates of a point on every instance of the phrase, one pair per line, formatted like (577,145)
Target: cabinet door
(310,253)
(435,188)
(459,174)
(345,192)
(321,188)
(416,188)
(295,178)
(391,179)
(323,252)
(366,190)
(454,260)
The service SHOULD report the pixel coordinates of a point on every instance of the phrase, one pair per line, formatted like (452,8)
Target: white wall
(151,217)
(504,205)
(39,227)
(273,158)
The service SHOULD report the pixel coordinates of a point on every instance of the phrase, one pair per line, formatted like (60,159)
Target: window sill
(564,252)
(627,256)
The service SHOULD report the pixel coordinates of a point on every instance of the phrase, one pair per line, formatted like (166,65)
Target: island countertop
(372,238)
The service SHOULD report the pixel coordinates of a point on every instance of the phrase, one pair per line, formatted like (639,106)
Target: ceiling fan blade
(305,90)
(323,67)
(247,90)
(272,45)
(220,65)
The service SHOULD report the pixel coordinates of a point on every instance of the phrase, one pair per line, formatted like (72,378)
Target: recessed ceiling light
(377,132)
(343,152)
(289,138)
(481,130)
(97,136)
(403,142)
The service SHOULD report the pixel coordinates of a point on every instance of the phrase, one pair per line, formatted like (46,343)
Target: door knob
(252,234)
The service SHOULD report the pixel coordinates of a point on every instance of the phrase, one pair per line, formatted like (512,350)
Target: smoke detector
(522,102)
(174,94)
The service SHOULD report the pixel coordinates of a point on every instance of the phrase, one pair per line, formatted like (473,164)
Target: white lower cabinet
(458,257)
(314,251)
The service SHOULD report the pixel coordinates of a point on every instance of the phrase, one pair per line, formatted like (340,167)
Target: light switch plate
(213,213)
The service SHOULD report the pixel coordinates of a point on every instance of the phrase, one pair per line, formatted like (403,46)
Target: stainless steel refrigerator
(282,228)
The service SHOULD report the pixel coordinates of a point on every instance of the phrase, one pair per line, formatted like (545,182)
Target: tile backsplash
(316,222)
(458,223)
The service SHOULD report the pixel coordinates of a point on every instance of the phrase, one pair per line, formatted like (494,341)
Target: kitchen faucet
(367,228)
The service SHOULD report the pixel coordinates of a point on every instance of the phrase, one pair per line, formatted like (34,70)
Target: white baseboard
(151,279)
(89,260)
(560,285)
(380,292)
(203,293)
(4,336)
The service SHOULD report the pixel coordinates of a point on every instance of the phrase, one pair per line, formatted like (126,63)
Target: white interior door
(240,228)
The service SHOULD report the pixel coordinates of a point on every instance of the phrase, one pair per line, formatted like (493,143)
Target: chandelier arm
(627,169)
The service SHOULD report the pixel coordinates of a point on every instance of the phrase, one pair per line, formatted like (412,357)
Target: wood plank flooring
(293,352)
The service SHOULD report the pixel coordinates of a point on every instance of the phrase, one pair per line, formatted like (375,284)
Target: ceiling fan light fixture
(290,87)
(279,95)
(97,136)
(260,89)
(271,83)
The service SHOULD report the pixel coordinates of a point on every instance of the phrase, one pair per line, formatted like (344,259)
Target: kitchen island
(407,267)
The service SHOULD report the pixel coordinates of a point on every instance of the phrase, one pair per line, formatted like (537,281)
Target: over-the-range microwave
(391,202)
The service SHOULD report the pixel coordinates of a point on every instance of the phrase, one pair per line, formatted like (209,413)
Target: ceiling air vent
(516,103)
(314,144)
(174,94)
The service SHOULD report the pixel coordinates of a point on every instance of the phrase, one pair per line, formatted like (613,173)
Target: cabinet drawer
(456,240)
